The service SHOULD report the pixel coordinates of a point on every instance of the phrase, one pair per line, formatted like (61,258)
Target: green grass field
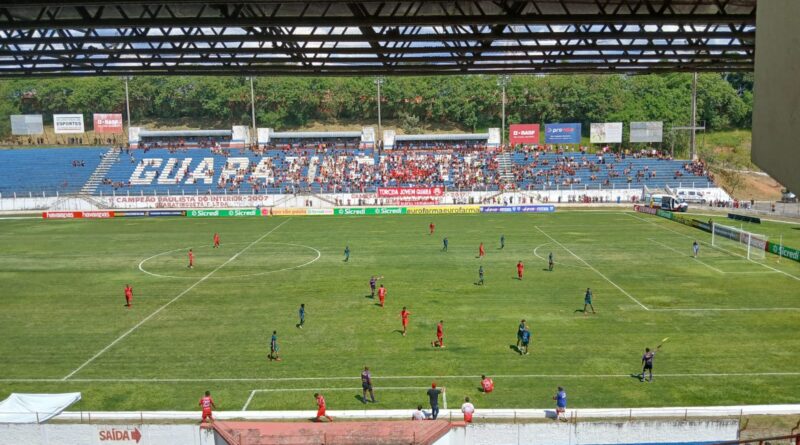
(732,323)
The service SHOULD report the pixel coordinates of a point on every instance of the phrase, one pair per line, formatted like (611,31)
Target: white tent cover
(33,408)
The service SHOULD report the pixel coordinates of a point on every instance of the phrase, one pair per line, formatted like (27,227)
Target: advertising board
(527,134)
(68,123)
(562,133)
(606,133)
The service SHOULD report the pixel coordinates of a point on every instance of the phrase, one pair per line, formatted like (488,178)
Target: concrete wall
(83,434)
(122,201)
(551,433)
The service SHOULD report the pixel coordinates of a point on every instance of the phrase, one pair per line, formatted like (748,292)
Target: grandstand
(322,163)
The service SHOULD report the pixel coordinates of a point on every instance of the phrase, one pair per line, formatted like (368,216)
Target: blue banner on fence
(519,209)
(128,213)
(166,213)
(562,133)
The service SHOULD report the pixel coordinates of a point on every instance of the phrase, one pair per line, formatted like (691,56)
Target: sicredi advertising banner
(26,124)
(606,133)
(647,131)
(68,123)
(108,123)
(523,134)
(562,133)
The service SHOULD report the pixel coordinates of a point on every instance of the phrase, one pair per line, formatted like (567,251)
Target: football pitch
(732,323)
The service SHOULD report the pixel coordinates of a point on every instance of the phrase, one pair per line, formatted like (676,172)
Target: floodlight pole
(253,111)
(378,82)
(127,102)
(502,81)
(693,148)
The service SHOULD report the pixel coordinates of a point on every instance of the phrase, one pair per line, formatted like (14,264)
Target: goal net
(753,245)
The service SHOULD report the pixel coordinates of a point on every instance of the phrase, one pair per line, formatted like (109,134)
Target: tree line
(472,102)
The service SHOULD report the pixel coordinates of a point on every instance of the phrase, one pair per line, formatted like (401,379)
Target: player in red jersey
(432,227)
(382,294)
(481,251)
(191,259)
(404,317)
(216,240)
(207,403)
(321,408)
(520,270)
(128,295)
(439,342)
(487,385)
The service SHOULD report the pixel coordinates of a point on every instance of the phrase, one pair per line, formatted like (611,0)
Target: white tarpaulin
(33,408)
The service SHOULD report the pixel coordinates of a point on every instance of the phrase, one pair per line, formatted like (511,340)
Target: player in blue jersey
(561,404)
(526,339)
(273,347)
(444,244)
(346,253)
(695,248)
(587,301)
(302,313)
(647,363)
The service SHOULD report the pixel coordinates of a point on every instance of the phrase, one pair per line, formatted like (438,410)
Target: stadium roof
(295,37)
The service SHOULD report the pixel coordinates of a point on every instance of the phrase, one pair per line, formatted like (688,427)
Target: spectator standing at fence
(468,409)
(128,295)
(207,404)
(561,404)
(433,396)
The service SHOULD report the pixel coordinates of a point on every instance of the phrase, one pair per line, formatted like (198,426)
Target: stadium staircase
(109,158)
(505,163)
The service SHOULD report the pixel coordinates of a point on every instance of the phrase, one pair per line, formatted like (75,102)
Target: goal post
(754,245)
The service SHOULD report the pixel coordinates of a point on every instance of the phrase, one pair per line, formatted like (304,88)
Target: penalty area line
(178,297)
(595,270)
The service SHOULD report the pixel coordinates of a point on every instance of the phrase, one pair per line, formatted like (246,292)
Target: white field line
(682,253)
(595,270)
(536,254)
(732,309)
(444,398)
(385,388)
(476,377)
(716,247)
(154,313)
(319,255)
